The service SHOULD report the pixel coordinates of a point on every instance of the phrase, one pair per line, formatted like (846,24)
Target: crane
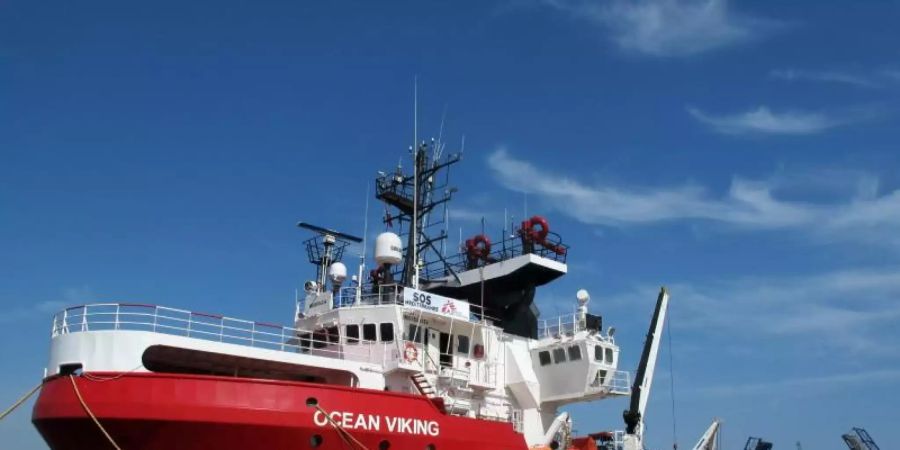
(710,439)
(859,439)
(643,378)
(755,443)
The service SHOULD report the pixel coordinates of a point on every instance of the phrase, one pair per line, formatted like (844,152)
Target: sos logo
(422,298)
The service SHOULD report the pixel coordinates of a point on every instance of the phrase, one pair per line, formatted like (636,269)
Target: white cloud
(824,76)
(859,78)
(666,28)
(72,296)
(801,384)
(859,214)
(851,310)
(763,121)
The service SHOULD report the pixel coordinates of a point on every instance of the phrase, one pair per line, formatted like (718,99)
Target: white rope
(90,413)
(20,401)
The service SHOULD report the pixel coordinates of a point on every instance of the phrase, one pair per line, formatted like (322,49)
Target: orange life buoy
(410,352)
(478,247)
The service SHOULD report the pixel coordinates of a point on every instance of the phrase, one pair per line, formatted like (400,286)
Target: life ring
(478,247)
(410,352)
(537,235)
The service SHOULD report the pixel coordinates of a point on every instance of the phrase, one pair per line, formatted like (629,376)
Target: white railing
(390,294)
(564,325)
(218,328)
(615,382)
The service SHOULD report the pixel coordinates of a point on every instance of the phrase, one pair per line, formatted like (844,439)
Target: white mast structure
(415,226)
(709,439)
(640,391)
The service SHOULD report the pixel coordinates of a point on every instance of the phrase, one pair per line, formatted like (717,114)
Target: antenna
(362,251)
(414,229)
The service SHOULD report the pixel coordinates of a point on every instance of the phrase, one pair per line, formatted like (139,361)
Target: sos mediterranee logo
(421,298)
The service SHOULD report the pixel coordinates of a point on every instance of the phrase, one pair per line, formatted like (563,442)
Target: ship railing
(510,247)
(218,328)
(391,294)
(564,325)
(614,382)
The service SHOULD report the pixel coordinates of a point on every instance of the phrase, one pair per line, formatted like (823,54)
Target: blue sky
(742,153)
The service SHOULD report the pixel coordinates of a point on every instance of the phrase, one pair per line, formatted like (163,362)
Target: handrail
(212,327)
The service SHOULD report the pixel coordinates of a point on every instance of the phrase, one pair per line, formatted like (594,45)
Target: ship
(434,348)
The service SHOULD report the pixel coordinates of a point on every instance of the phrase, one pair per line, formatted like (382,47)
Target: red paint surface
(151,411)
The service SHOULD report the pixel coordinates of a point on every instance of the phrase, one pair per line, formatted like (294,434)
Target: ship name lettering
(372,422)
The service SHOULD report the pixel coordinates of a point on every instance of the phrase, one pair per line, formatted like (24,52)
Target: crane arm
(643,379)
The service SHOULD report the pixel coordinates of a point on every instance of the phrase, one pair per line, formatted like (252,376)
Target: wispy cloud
(857,212)
(801,384)
(827,76)
(880,78)
(668,28)
(763,121)
(68,297)
(851,310)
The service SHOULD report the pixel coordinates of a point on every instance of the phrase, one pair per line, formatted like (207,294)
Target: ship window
(415,333)
(598,353)
(315,440)
(304,340)
(387,332)
(319,339)
(609,355)
(352,332)
(369,332)
(332,334)
(559,355)
(544,356)
(574,353)
(462,345)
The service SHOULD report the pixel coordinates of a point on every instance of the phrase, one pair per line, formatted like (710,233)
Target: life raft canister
(478,247)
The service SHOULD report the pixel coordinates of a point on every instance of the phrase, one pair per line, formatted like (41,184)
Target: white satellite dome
(583,297)
(338,273)
(388,248)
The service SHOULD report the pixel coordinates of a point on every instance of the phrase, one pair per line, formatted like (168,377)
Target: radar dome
(338,273)
(583,297)
(388,248)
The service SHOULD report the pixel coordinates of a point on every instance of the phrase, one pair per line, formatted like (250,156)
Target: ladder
(423,385)
(860,441)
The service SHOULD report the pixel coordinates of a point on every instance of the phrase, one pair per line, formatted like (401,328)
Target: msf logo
(448,307)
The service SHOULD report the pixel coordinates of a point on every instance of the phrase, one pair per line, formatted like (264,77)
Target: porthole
(315,440)
(430,447)
(312,402)
(384,445)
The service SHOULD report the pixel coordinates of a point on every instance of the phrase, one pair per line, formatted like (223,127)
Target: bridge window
(319,339)
(559,355)
(609,355)
(574,353)
(369,332)
(544,356)
(352,332)
(598,353)
(332,334)
(387,332)
(462,345)
(415,333)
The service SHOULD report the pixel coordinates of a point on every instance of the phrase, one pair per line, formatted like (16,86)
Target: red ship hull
(151,411)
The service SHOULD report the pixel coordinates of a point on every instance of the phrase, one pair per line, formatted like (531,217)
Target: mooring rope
(90,413)
(344,434)
(20,401)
